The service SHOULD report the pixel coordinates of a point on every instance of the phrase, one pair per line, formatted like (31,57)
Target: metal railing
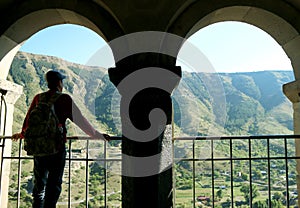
(197,162)
(276,152)
(76,153)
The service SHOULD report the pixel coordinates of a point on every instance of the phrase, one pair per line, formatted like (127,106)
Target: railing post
(12,93)
(292,91)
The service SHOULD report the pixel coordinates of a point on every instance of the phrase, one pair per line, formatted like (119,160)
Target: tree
(260,204)
(257,174)
(220,194)
(245,176)
(276,204)
(245,189)
(278,196)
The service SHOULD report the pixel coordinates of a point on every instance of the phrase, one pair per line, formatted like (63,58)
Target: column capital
(292,91)
(144,89)
(10,90)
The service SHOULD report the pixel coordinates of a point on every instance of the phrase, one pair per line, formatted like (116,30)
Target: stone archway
(21,19)
(11,41)
(285,34)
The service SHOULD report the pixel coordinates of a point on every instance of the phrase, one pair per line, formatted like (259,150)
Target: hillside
(255,104)
(83,83)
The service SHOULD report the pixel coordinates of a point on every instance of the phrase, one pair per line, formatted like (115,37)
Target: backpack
(43,135)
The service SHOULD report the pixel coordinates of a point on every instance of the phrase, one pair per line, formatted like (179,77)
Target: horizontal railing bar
(112,138)
(291,136)
(93,160)
(230,159)
(77,159)
(176,159)
(238,137)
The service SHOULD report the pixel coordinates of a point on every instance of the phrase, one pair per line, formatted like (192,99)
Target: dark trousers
(48,174)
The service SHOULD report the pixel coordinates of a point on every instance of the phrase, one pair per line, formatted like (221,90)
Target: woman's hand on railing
(16,137)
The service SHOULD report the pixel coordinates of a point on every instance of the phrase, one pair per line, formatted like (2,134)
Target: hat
(54,76)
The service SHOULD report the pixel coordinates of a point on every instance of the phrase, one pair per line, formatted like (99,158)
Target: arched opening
(76,51)
(245,102)
(250,66)
(84,58)
(18,25)
(251,103)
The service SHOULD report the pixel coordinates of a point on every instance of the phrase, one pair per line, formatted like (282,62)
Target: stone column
(292,91)
(146,115)
(11,92)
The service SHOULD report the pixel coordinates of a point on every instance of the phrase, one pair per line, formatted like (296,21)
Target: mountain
(254,104)
(85,84)
(249,103)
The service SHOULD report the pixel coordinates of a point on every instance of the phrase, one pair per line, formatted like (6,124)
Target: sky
(227,46)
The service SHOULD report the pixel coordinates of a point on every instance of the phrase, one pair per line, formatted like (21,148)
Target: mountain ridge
(254,102)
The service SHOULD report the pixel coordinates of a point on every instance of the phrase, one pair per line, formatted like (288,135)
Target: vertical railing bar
(231,173)
(213,173)
(174,172)
(2,161)
(269,172)
(3,133)
(250,168)
(2,145)
(194,183)
(105,176)
(286,173)
(19,174)
(69,175)
(87,175)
